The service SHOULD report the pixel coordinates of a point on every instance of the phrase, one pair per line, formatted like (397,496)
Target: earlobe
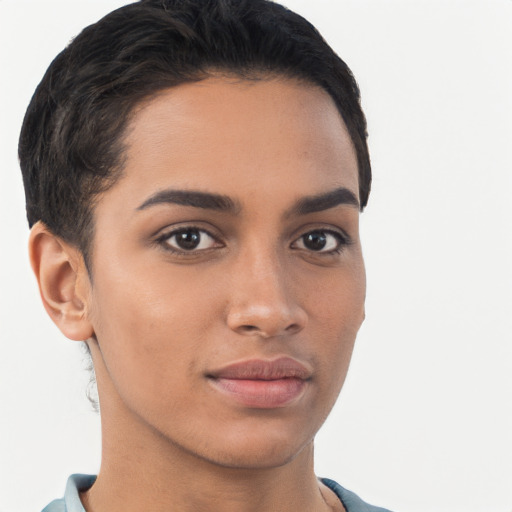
(63,282)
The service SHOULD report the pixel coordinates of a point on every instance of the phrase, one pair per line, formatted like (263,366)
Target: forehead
(232,136)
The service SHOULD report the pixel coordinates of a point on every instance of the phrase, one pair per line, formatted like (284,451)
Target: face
(228,281)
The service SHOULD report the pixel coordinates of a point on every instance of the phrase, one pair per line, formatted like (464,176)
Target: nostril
(248,328)
(292,328)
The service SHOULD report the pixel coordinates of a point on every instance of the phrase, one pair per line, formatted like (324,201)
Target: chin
(259,451)
(254,459)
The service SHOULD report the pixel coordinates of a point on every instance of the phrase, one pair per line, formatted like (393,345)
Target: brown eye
(315,241)
(320,241)
(189,239)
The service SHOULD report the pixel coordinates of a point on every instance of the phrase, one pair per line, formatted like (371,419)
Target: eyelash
(342,241)
(163,240)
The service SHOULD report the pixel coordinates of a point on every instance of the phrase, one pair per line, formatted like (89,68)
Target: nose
(262,300)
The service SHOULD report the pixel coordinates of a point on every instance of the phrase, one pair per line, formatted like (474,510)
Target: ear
(63,282)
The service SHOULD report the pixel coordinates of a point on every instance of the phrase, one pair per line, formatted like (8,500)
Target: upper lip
(263,369)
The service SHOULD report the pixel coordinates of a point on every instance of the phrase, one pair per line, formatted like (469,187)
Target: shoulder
(352,502)
(71,500)
(77,483)
(55,506)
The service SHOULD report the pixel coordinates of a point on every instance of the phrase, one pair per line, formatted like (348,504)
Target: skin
(158,322)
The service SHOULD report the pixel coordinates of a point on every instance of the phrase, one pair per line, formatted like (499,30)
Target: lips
(262,384)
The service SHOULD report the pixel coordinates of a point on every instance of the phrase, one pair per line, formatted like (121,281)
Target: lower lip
(261,394)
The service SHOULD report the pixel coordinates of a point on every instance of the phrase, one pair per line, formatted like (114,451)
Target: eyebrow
(222,203)
(196,199)
(321,202)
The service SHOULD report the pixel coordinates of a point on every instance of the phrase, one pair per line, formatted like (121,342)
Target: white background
(424,422)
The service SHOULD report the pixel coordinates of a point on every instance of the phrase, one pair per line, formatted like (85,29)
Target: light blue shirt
(79,483)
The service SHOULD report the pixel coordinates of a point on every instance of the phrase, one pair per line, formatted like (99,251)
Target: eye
(321,241)
(188,239)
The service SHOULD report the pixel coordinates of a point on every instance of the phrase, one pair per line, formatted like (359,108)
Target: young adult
(194,172)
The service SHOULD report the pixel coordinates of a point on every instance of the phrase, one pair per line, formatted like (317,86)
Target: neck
(136,475)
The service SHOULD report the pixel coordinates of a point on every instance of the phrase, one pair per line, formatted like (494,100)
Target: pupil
(315,241)
(188,239)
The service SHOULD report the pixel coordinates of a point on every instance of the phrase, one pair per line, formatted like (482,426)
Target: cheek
(141,297)
(150,329)
(337,313)
(337,301)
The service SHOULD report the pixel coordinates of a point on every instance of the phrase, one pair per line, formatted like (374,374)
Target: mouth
(262,384)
